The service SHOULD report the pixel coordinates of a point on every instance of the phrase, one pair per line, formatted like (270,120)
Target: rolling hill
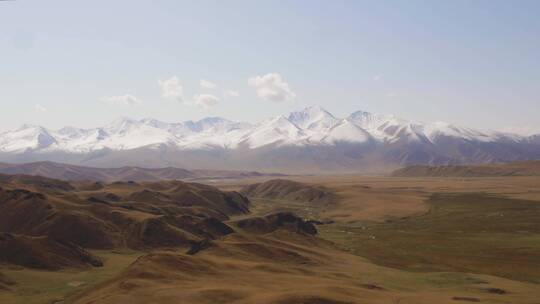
(104,216)
(81,173)
(287,190)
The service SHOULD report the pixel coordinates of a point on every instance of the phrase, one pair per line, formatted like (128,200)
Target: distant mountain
(80,173)
(526,168)
(311,140)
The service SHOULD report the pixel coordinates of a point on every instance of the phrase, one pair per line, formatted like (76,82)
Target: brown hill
(287,190)
(276,268)
(528,168)
(5,282)
(43,253)
(277,221)
(81,173)
(50,221)
(39,182)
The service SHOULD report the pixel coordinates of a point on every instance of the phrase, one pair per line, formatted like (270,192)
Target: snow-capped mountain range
(314,132)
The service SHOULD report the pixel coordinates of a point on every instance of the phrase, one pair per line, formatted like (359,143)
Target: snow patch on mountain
(346,131)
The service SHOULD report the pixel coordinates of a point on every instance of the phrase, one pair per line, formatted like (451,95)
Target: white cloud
(39,108)
(125,100)
(172,88)
(205,100)
(207,84)
(232,93)
(272,87)
(377,77)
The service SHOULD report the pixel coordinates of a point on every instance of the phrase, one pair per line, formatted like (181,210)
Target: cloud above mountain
(40,108)
(272,87)
(231,94)
(206,84)
(125,100)
(172,89)
(205,101)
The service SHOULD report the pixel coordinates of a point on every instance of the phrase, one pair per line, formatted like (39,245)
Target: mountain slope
(311,140)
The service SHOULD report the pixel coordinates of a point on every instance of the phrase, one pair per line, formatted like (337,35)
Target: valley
(299,239)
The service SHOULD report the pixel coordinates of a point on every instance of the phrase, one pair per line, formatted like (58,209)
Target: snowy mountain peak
(154,123)
(311,126)
(215,124)
(69,130)
(369,120)
(27,137)
(121,124)
(313,118)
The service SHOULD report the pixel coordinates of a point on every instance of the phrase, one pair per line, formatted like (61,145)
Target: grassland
(476,233)
(465,225)
(38,287)
(437,230)
(387,240)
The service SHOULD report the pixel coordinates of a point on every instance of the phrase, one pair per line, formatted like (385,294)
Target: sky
(86,63)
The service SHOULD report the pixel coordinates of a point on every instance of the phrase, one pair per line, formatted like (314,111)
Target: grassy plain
(424,226)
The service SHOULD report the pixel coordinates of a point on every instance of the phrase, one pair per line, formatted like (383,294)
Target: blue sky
(85,63)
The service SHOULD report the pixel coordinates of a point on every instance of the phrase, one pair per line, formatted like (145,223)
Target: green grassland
(473,232)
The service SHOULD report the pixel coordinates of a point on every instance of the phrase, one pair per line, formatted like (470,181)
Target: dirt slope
(287,190)
(5,282)
(43,253)
(276,221)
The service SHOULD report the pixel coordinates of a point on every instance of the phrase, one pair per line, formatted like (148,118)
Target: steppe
(296,239)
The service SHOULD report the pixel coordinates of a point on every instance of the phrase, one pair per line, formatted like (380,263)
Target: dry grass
(416,257)
(37,286)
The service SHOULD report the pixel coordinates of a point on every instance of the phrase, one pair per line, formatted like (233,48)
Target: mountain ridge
(310,140)
(69,172)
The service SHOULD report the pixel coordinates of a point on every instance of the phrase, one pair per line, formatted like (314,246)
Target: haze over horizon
(473,64)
